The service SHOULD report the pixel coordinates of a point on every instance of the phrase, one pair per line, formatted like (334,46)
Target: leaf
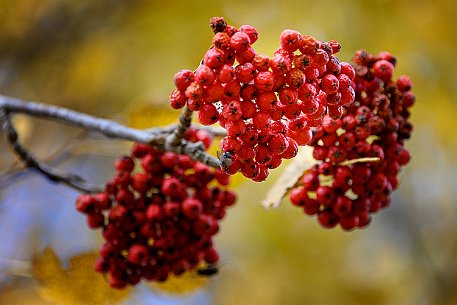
(78,284)
(289,177)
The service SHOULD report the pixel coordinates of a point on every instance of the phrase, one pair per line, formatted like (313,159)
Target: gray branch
(74,118)
(165,139)
(73,181)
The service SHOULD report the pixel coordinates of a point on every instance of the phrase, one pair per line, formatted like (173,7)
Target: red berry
(138,254)
(383,70)
(240,41)
(85,203)
(211,256)
(325,195)
(221,41)
(208,114)
(204,75)
(192,208)
(95,220)
(328,219)
(124,163)
(264,81)
(290,40)
(251,32)
(183,79)
(330,84)
(342,206)
(298,197)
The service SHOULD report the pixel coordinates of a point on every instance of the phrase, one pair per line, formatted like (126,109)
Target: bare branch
(185,119)
(71,180)
(174,141)
(74,118)
(165,139)
(215,130)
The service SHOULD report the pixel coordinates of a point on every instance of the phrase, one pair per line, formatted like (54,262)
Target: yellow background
(116,59)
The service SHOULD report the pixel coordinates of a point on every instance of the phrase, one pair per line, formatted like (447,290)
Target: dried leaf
(78,284)
(289,177)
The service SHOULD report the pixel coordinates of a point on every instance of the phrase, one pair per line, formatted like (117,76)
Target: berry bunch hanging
(158,214)
(375,126)
(161,210)
(267,105)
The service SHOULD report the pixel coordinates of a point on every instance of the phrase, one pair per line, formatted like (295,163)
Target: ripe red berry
(95,220)
(124,163)
(192,208)
(278,144)
(240,41)
(85,203)
(183,79)
(330,84)
(138,254)
(328,219)
(383,70)
(325,195)
(208,114)
(251,32)
(298,197)
(177,99)
(290,40)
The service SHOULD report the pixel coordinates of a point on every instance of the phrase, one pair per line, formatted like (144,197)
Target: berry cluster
(375,125)
(160,217)
(267,105)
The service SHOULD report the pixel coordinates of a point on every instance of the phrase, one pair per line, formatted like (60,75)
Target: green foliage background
(112,58)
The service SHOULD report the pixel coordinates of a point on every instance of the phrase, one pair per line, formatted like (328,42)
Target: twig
(185,119)
(165,139)
(359,160)
(74,118)
(71,180)
(216,131)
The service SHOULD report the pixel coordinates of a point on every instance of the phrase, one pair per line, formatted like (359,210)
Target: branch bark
(166,139)
(73,181)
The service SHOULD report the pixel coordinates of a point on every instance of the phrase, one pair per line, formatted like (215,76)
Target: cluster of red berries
(267,105)
(159,217)
(375,125)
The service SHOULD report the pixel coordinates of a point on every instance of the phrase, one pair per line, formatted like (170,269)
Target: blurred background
(116,59)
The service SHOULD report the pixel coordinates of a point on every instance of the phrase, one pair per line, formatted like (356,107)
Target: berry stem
(174,141)
(185,119)
(359,160)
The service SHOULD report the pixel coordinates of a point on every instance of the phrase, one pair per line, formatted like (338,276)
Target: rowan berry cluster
(375,125)
(267,105)
(158,214)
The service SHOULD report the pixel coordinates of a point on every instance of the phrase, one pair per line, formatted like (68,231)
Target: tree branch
(74,118)
(165,139)
(29,160)
(185,119)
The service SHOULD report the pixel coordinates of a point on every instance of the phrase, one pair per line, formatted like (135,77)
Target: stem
(29,160)
(165,139)
(74,118)
(185,119)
